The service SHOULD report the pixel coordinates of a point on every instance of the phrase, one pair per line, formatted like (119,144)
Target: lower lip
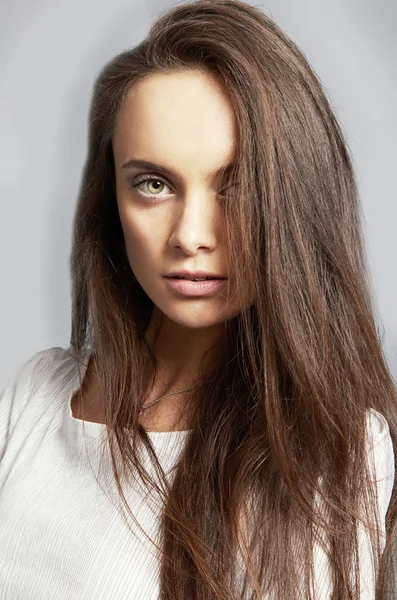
(196,288)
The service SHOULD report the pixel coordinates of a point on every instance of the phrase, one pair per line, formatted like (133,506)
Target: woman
(207,440)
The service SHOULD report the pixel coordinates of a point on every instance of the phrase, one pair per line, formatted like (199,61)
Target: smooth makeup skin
(185,123)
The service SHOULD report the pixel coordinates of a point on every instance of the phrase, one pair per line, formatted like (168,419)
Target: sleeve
(382,470)
(15,397)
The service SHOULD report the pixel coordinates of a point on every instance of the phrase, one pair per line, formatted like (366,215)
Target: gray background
(50,53)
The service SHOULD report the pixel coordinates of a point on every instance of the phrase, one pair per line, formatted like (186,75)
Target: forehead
(184,119)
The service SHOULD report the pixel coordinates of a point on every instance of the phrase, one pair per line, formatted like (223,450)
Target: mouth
(194,278)
(194,287)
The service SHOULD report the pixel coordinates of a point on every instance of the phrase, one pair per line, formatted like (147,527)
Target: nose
(196,223)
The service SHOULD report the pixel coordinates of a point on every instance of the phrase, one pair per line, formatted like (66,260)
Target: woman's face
(184,123)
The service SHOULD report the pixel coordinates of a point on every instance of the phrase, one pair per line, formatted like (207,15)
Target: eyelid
(138,179)
(147,177)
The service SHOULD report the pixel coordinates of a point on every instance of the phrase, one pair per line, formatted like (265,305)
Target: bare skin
(184,122)
(91,408)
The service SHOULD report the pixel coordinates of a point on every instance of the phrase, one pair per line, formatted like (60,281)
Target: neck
(183,355)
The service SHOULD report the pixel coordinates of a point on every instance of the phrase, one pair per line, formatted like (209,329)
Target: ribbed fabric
(61,534)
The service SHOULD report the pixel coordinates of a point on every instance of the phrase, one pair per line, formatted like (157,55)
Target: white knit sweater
(61,534)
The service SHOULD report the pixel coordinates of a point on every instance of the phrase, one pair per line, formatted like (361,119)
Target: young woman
(207,440)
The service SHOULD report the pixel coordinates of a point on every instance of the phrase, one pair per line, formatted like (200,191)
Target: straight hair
(286,408)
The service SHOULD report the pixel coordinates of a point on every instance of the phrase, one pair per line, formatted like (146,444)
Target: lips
(193,278)
(193,275)
(187,287)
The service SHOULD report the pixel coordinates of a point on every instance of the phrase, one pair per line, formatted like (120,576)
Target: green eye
(148,179)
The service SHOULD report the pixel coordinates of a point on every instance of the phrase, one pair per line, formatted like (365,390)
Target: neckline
(93,427)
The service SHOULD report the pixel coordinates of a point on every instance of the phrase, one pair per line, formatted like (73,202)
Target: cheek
(142,238)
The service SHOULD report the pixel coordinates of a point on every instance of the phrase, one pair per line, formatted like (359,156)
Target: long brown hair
(303,364)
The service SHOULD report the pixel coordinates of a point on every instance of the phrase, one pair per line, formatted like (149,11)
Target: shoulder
(379,441)
(35,379)
(380,455)
(35,369)
(377,425)
(29,370)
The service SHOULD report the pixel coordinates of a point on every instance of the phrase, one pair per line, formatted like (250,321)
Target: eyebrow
(145,164)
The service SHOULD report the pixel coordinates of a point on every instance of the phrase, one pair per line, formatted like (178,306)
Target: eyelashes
(153,197)
(144,179)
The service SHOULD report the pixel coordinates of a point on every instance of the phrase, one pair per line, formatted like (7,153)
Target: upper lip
(194,274)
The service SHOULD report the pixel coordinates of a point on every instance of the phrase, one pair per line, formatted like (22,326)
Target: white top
(61,535)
